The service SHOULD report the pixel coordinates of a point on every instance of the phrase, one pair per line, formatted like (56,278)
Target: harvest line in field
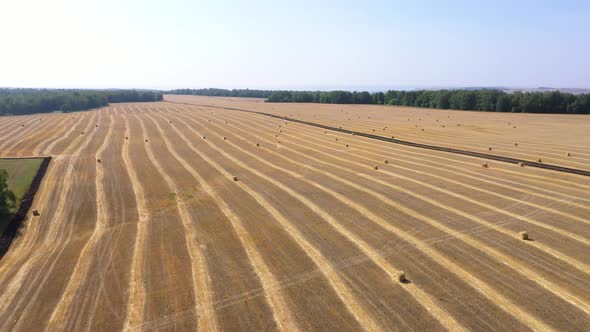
(412,144)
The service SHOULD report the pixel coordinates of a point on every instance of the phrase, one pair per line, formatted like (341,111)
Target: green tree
(7,197)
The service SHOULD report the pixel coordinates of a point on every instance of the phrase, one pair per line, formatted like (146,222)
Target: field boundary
(469,153)
(26,202)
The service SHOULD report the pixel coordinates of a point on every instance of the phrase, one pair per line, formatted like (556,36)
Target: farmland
(189,212)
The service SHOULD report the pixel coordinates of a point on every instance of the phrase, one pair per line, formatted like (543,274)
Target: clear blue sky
(294,44)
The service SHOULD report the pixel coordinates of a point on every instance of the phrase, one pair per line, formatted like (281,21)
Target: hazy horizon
(304,45)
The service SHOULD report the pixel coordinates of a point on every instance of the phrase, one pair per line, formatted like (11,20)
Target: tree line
(245,93)
(7,197)
(29,101)
(475,100)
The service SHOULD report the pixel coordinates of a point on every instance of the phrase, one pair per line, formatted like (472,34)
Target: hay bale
(146,140)
(376,167)
(36,213)
(346,145)
(489,148)
(204,137)
(96,126)
(126,137)
(82,133)
(235,178)
(567,154)
(386,161)
(98,160)
(257,144)
(515,144)
(336,139)
(540,160)
(224,138)
(401,276)
(523,235)
(485,165)
(521,164)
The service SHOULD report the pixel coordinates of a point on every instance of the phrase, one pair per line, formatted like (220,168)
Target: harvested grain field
(190,214)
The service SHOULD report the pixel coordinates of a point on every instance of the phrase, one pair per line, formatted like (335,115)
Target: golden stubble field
(159,235)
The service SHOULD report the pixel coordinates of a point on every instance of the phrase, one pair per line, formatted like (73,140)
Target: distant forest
(475,100)
(246,93)
(29,101)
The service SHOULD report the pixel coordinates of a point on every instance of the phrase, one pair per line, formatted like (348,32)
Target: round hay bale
(98,160)
(224,138)
(82,133)
(392,136)
(523,235)
(521,164)
(36,213)
(515,144)
(96,126)
(336,139)
(146,140)
(257,144)
(170,121)
(279,142)
(204,137)
(386,161)
(422,129)
(567,154)
(401,276)
(346,145)
(489,148)
(376,167)
(235,178)
(485,165)
(540,160)
(126,137)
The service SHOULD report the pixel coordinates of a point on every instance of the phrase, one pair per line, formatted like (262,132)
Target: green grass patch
(20,175)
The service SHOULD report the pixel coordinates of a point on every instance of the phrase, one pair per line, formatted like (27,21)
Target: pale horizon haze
(294,44)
